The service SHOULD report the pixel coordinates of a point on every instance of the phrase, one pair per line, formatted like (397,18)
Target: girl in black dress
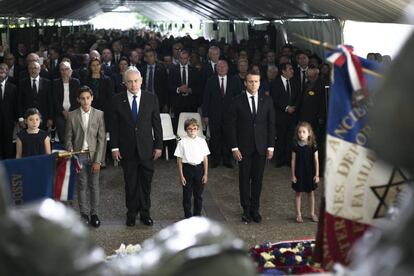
(305,168)
(32,140)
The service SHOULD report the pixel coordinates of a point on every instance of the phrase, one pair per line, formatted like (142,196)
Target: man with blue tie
(134,115)
(155,78)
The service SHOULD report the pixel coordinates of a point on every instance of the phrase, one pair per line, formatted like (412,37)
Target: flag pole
(67,154)
(329,46)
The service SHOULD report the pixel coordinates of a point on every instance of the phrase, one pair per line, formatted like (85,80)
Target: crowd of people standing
(177,75)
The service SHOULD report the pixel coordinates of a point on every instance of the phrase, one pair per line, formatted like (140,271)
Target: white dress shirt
(249,100)
(224,79)
(36,81)
(186,72)
(66,99)
(85,122)
(130,99)
(256,101)
(192,150)
(3,84)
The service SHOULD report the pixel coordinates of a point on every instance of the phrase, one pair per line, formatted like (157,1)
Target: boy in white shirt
(191,153)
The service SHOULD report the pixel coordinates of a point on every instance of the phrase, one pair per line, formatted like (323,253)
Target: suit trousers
(218,145)
(194,187)
(7,148)
(138,176)
(250,181)
(87,180)
(284,137)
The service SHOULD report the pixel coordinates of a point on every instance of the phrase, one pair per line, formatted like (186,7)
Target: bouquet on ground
(288,257)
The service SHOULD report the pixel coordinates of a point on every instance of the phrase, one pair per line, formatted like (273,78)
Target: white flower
(132,249)
(266,256)
(128,250)
(298,259)
(269,265)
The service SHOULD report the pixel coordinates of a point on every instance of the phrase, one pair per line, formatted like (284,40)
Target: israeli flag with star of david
(359,187)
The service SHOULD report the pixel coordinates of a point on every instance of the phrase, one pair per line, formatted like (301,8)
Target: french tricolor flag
(65,176)
(359,187)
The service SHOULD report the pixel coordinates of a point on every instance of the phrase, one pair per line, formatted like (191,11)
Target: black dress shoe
(257,218)
(85,219)
(147,221)
(246,218)
(130,221)
(95,222)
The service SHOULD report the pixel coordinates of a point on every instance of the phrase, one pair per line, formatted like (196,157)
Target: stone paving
(221,202)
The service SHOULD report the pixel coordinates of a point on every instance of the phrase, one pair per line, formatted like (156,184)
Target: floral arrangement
(292,257)
(124,250)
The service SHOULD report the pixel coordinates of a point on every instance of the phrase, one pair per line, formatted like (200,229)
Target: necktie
(134,109)
(184,77)
(303,80)
(34,88)
(214,68)
(222,87)
(150,80)
(253,106)
(288,90)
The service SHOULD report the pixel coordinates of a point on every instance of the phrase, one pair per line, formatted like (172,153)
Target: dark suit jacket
(312,105)
(160,82)
(43,100)
(248,133)
(297,78)
(110,70)
(9,108)
(102,100)
(54,72)
(191,101)
(118,82)
(74,87)
(129,137)
(16,72)
(214,104)
(281,99)
(206,73)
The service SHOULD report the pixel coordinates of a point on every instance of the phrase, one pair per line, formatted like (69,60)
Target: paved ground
(221,202)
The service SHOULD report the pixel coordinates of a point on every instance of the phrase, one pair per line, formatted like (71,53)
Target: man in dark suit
(300,71)
(135,117)
(14,69)
(24,73)
(54,61)
(155,79)
(286,95)
(209,68)
(8,113)
(109,67)
(250,129)
(219,92)
(184,87)
(36,92)
(312,105)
